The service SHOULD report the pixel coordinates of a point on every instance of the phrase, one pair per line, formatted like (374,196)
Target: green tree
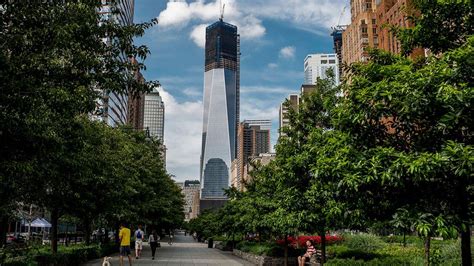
(53,61)
(407,119)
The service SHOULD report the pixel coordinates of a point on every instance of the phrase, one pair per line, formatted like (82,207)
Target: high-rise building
(361,33)
(396,13)
(154,115)
(112,107)
(136,104)
(317,65)
(294,100)
(253,138)
(221,107)
(337,42)
(191,188)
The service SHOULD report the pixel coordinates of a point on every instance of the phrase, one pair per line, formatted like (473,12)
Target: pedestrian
(153,240)
(139,236)
(124,237)
(170,238)
(310,250)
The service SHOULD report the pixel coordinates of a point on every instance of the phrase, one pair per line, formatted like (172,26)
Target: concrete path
(184,251)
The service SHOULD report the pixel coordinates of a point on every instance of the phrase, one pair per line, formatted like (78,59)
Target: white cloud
(305,14)
(181,13)
(272,65)
(287,52)
(183,125)
(198,35)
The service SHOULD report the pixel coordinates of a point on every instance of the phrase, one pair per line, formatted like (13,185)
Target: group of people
(125,236)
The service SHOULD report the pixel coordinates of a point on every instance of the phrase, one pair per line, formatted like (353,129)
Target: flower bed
(300,241)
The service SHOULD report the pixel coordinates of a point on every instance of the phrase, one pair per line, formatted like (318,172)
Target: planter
(264,260)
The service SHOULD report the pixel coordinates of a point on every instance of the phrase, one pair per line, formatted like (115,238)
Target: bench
(315,259)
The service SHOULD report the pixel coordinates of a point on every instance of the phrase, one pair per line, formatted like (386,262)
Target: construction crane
(340,16)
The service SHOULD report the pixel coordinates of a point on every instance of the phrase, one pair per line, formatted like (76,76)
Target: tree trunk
(87,231)
(404,239)
(427,250)
(322,234)
(105,238)
(3,230)
(66,241)
(286,250)
(466,255)
(54,231)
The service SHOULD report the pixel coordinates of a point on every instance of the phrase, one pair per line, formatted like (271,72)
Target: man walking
(124,236)
(139,236)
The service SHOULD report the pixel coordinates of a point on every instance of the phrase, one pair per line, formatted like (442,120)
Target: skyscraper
(337,40)
(253,138)
(112,107)
(283,115)
(221,107)
(154,115)
(316,65)
(361,33)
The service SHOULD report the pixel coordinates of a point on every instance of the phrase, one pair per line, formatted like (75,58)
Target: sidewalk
(184,251)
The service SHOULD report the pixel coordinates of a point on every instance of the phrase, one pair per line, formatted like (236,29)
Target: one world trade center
(221,107)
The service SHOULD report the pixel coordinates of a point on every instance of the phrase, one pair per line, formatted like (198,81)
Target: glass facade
(154,115)
(221,108)
(113,107)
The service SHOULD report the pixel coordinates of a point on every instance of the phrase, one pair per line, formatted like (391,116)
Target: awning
(39,222)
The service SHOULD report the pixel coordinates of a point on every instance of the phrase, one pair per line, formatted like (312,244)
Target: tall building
(112,107)
(337,43)
(136,104)
(283,120)
(317,65)
(361,33)
(154,115)
(394,12)
(253,138)
(190,191)
(221,107)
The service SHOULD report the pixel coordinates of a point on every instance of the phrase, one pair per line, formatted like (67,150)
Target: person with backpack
(139,236)
(153,240)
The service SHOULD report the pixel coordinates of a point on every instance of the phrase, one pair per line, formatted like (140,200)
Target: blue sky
(275,38)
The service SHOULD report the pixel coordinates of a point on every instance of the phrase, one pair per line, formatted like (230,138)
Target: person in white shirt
(139,236)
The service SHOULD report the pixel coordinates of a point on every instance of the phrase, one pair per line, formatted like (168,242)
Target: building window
(324,61)
(332,61)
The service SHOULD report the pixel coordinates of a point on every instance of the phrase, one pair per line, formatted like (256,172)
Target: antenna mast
(222,6)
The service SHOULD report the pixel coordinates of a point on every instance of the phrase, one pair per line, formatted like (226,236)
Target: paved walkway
(184,251)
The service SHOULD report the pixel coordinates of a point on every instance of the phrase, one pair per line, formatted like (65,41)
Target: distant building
(253,138)
(283,120)
(191,189)
(368,28)
(317,65)
(361,33)
(136,104)
(221,107)
(337,45)
(112,107)
(306,90)
(211,204)
(394,12)
(262,159)
(154,115)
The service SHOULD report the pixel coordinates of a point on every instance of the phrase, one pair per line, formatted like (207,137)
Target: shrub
(300,241)
(364,242)
(374,262)
(73,255)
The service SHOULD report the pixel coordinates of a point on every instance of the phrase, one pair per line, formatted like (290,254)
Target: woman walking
(153,240)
